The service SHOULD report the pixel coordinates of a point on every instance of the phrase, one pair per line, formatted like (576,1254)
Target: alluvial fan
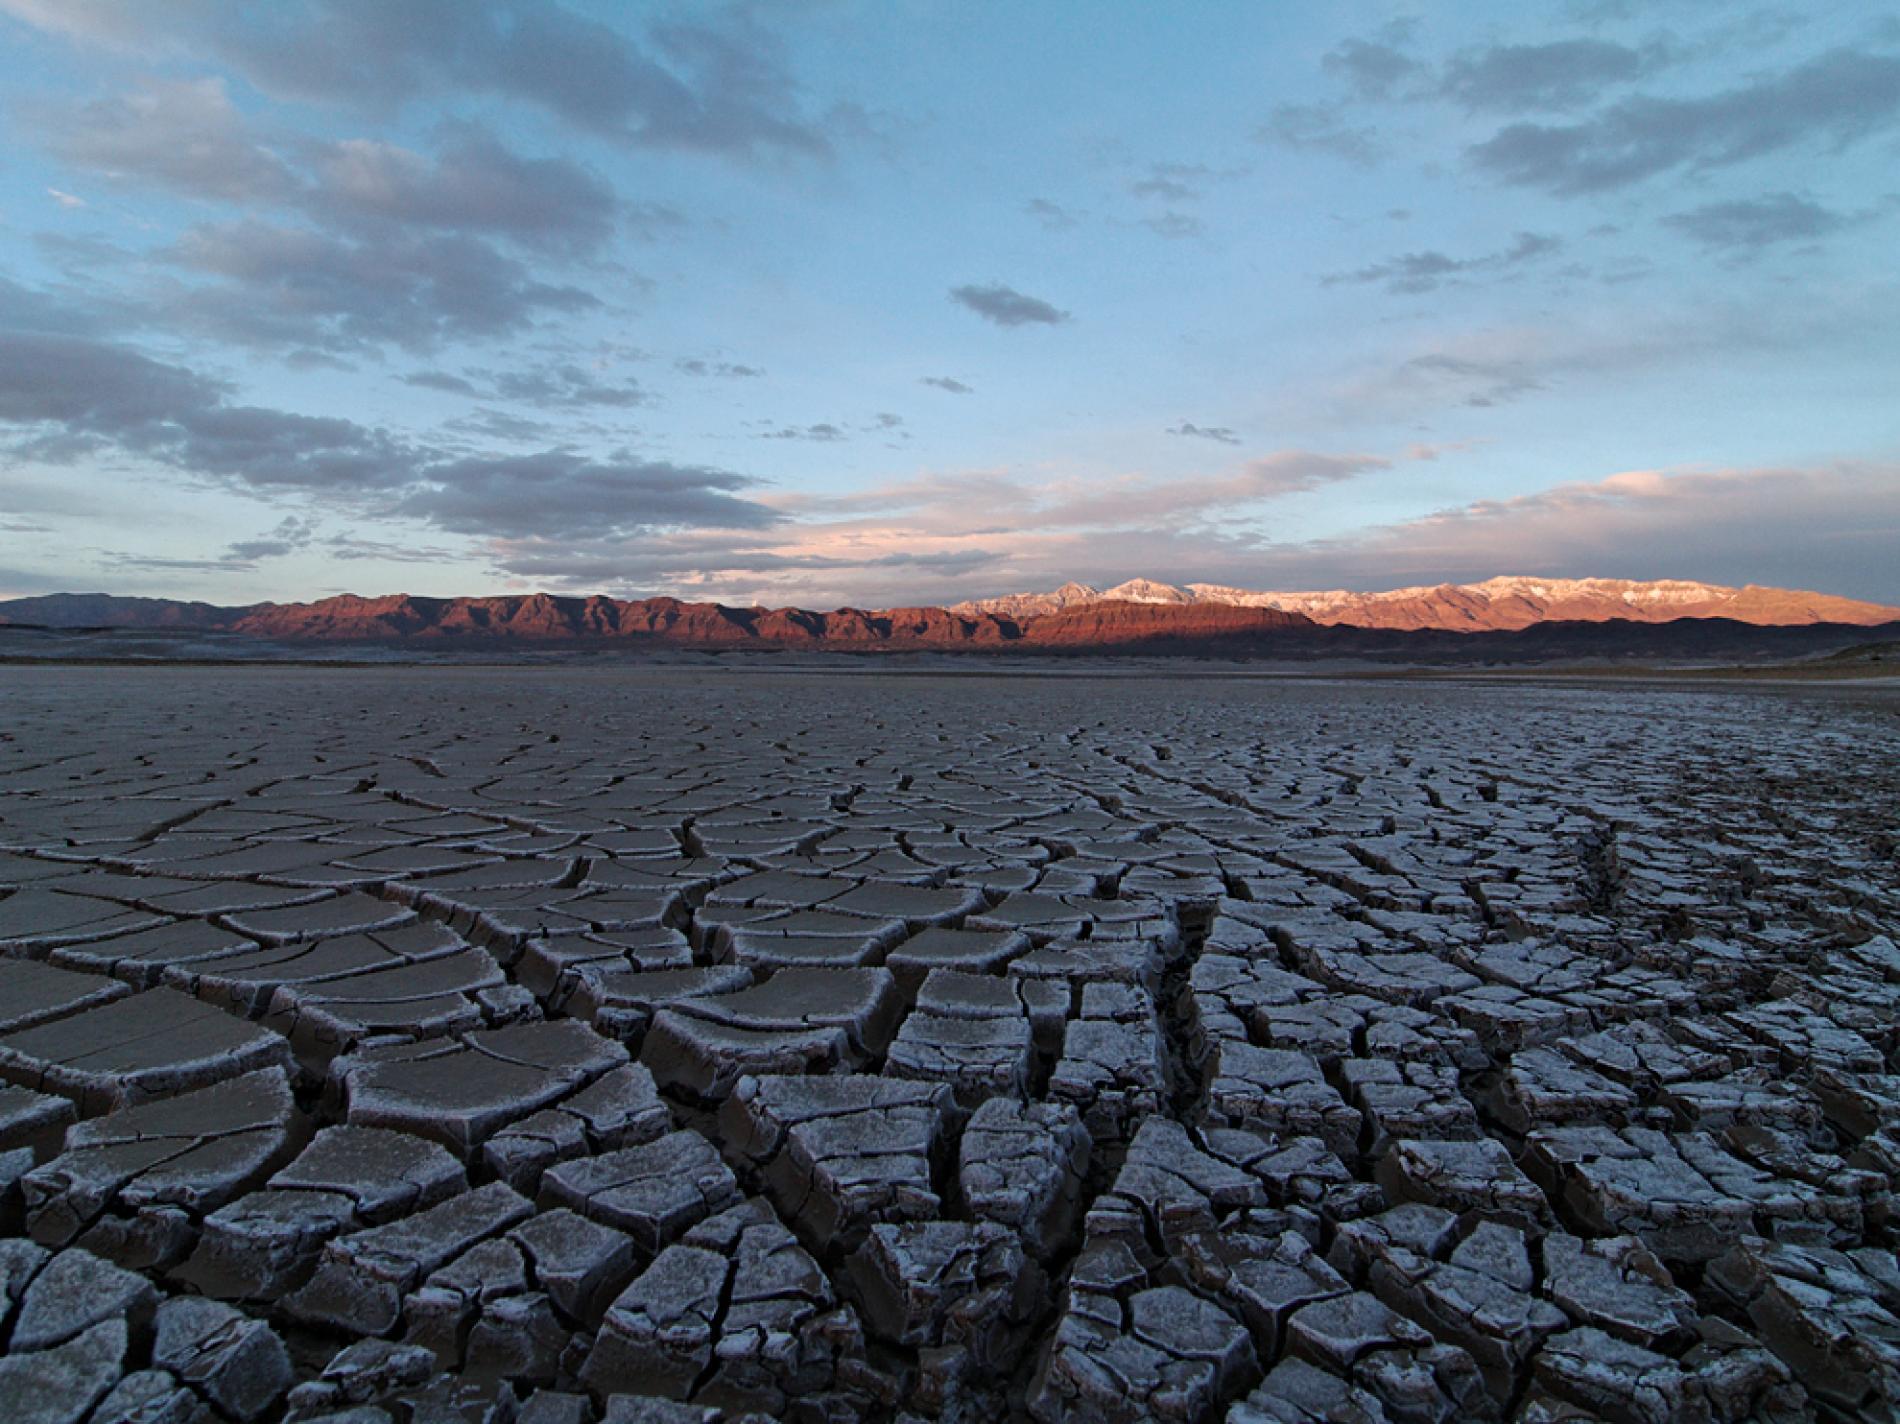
(545,1046)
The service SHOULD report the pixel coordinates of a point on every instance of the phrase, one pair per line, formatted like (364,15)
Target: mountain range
(1509,602)
(1509,618)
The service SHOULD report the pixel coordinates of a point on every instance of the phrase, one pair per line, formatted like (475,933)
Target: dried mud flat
(549,1046)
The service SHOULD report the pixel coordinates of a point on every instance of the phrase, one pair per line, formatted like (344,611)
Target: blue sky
(893,303)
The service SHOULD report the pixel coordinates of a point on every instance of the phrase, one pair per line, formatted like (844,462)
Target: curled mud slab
(570,1046)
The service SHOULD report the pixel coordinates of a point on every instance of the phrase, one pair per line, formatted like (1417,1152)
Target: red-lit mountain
(1140,615)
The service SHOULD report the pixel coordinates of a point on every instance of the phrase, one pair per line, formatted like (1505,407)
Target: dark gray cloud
(291,287)
(349,546)
(823,433)
(727,369)
(947,383)
(1179,182)
(1205,432)
(442,381)
(560,494)
(1834,100)
(1174,226)
(472,184)
(507,426)
(1322,128)
(68,394)
(71,396)
(185,136)
(565,384)
(399,248)
(96,388)
(1415,272)
(1006,306)
(718,86)
(717,559)
(1052,216)
(157,563)
(292,533)
(1751,224)
(1565,74)
(1373,68)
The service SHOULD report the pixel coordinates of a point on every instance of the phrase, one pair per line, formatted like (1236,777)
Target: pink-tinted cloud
(1757,525)
(937,539)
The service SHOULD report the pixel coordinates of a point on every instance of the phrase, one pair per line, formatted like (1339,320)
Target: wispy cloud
(1749,225)
(1415,272)
(1829,102)
(1218,433)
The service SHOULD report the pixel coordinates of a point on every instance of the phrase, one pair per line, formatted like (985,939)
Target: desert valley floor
(544,1046)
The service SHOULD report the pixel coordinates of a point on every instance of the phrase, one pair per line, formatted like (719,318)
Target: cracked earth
(542,1046)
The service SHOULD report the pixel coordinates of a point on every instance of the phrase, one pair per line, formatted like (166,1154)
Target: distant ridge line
(1503,603)
(1139,614)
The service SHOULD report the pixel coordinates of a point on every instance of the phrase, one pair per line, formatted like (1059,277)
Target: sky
(887,302)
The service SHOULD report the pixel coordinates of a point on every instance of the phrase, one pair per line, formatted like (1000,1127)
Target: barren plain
(555,1045)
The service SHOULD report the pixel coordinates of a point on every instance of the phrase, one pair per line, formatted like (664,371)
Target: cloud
(473,184)
(1725,525)
(69,395)
(351,547)
(291,534)
(1053,216)
(1474,382)
(1205,432)
(823,433)
(1751,224)
(1174,226)
(183,135)
(564,384)
(1753,338)
(159,563)
(288,287)
(1565,74)
(947,383)
(65,200)
(1179,182)
(395,247)
(726,369)
(1133,502)
(442,381)
(1323,129)
(1415,272)
(1005,306)
(1768,525)
(560,494)
(1372,68)
(242,557)
(1834,100)
(187,137)
(714,86)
